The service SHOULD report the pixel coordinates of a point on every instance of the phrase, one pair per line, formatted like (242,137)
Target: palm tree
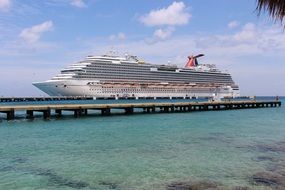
(275,8)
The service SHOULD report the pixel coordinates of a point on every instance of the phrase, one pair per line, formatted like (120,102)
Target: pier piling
(129,110)
(11,114)
(58,112)
(77,112)
(46,114)
(29,114)
(105,111)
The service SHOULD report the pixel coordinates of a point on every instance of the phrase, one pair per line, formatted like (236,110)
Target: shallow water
(145,151)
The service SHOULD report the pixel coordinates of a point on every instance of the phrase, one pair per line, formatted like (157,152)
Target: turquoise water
(225,149)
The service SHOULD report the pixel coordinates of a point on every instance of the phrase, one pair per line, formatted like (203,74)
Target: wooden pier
(129,108)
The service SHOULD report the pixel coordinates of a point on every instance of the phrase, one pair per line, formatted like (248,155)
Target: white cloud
(119,36)
(5,5)
(34,33)
(250,40)
(248,33)
(163,33)
(233,24)
(174,14)
(78,3)
(261,40)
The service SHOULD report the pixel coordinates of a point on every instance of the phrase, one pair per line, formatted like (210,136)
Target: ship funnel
(192,61)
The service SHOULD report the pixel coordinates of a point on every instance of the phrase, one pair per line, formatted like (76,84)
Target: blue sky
(38,38)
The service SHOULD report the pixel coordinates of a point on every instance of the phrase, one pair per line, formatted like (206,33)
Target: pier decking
(129,108)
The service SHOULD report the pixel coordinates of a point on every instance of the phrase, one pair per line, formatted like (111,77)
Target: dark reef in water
(219,137)
(192,185)
(20,160)
(267,179)
(109,185)
(276,147)
(7,169)
(264,158)
(200,185)
(240,188)
(21,165)
(58,180)
(53,177)
(274,175)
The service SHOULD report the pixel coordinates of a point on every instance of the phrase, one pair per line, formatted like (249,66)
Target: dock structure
(129,108)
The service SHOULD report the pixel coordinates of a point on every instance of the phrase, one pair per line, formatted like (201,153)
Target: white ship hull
(113,76)
(83,88)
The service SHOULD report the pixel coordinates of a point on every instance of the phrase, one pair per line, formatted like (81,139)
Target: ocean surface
(235,149)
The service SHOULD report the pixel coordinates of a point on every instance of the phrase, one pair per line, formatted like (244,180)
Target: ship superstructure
(127,76)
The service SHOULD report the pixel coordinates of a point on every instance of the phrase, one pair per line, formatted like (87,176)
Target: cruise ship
(113,76)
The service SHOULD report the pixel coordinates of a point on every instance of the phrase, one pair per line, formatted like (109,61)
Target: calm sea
(236,149)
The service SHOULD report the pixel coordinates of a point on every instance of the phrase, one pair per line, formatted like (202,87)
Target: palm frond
(275,8)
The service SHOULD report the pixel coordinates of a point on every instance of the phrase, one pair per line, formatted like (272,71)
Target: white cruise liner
(126,76)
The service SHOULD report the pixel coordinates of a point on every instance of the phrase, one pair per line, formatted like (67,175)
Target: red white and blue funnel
(192,61)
